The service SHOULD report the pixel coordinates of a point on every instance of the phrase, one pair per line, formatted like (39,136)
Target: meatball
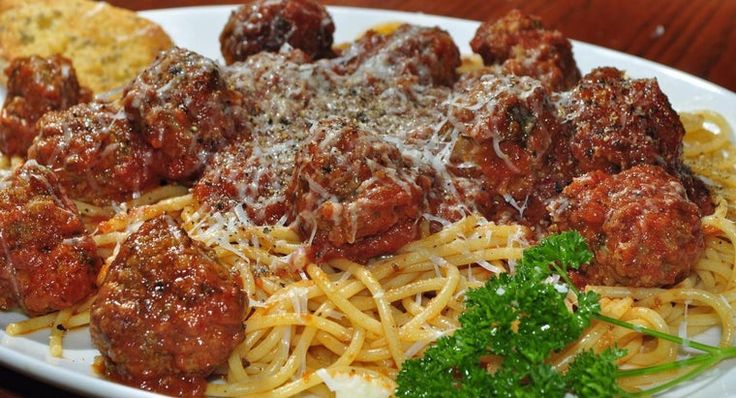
(619,123)
(249,176)
(35,86)
(352,193)
(522,46)
(643,230)
(411,54)
(511,146)
(49,261)
(97,155)
(167,314)
(184,109)
(268,25)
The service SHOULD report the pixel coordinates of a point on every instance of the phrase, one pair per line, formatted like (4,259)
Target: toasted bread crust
(108,45)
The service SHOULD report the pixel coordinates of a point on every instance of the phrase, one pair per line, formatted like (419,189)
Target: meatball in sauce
(620,122)
(98,157)
(410,55)
(268,25)
(184,110)
(167,314)
(643,230)
(49,261)
(511,144)
(520,45)
(249,177)
(36,85)
(353,194)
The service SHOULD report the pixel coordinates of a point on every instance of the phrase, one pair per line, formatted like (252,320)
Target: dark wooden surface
(698,37)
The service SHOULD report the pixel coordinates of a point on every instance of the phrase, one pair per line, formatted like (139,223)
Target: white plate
(198,28)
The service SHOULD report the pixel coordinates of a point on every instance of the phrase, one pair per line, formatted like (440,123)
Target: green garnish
(696,364)
(592,375)
(522,318)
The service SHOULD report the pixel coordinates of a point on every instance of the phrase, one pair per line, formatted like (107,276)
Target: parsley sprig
(695,365)
(521,319)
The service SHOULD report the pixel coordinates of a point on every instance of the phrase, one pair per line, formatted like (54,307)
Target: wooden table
(698,37)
